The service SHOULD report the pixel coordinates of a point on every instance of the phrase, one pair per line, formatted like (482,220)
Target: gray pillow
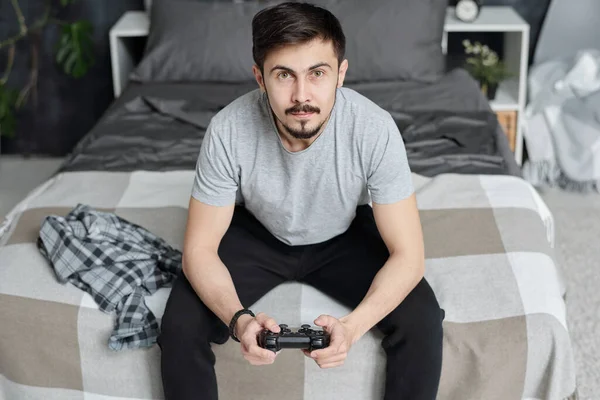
(148,3)
(198,41)
(385,40)
(392,39)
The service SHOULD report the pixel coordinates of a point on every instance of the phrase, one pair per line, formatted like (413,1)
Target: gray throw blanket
(117,262)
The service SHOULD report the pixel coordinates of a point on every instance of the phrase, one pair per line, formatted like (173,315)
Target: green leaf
(62,52)
(75,52)
(70,63)
(8,100)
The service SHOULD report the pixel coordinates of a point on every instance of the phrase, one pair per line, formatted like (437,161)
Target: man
(282,187)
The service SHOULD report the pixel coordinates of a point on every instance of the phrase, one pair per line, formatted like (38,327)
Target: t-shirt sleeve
(216,178)
(389,176)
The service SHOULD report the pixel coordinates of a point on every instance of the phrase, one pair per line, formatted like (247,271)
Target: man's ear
(259,77)
(342,73)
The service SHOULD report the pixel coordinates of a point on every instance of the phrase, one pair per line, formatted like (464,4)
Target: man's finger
(263,358)
(257,351)
(333,359)
(259,361)
(261,318)
(325,321)
(267,322)
(331,365)
(251,347)
(327,352)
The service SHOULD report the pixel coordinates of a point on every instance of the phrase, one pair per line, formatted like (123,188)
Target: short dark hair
(294,23)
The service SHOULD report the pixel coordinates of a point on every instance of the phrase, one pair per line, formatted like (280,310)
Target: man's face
(301,82)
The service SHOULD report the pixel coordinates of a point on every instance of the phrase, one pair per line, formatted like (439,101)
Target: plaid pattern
(489,259)
(116,262)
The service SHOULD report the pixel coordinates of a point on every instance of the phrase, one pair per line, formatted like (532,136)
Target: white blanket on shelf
(562,123)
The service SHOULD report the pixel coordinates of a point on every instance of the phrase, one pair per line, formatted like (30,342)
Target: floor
(577,219)
(577,228)
(19,175)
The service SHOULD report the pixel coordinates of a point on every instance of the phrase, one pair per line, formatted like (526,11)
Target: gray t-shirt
(308,196)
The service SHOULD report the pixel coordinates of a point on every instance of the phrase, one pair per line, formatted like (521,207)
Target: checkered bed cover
(489,259)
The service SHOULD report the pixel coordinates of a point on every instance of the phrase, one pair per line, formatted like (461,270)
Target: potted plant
(485,66)
(74,53)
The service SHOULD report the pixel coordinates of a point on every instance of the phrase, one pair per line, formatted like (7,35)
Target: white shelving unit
(122,36)
(511,95)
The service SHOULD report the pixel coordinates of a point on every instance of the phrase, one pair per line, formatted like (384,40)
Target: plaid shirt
(116,262)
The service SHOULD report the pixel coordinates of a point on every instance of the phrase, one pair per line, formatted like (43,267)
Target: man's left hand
(342,337)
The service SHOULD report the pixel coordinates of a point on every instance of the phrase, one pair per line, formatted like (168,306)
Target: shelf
(132,24)
(507,97)
(491,19)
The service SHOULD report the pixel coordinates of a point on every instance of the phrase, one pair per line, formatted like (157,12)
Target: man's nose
(300,93)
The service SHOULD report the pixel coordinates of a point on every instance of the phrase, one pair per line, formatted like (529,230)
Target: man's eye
(284,75)
(318,74)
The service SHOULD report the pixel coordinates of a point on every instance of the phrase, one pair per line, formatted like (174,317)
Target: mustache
(303,108)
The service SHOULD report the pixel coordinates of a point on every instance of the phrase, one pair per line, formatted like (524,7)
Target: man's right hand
(247,330)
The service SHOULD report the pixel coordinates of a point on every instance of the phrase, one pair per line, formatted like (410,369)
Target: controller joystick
(303,338)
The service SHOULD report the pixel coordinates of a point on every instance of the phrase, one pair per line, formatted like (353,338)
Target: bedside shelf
(507,96)
(123,38)
(512,94)
(491,19)
(132,23)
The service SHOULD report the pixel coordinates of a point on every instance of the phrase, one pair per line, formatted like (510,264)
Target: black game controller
(303,338)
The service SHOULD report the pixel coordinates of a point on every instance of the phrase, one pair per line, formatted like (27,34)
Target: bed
(489,242)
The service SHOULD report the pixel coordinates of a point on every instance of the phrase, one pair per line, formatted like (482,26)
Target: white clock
(467,10)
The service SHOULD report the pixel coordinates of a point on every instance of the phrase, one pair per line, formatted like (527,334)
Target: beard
(303,132)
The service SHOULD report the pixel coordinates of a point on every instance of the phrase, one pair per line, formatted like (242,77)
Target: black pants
(342,267)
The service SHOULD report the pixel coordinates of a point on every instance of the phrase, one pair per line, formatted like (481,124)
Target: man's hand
(342,337)
(247,330)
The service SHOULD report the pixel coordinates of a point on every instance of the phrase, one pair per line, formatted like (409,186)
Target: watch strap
(233,322)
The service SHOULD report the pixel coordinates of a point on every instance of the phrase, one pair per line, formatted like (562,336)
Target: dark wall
(67,108)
